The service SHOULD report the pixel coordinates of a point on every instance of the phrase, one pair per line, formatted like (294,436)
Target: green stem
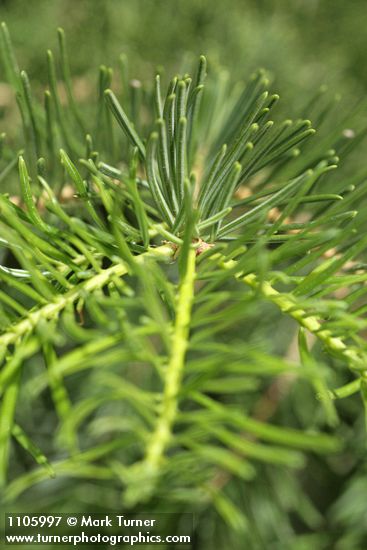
(312,323)
(53,309)
(163,431)
(6,425)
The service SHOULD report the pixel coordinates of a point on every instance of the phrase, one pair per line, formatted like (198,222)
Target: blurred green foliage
(303,42)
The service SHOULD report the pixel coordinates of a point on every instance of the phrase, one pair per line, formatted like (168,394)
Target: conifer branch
(356,360)
(173,375)
(53,309)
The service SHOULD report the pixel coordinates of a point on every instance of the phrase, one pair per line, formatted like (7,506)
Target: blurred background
(302,42)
